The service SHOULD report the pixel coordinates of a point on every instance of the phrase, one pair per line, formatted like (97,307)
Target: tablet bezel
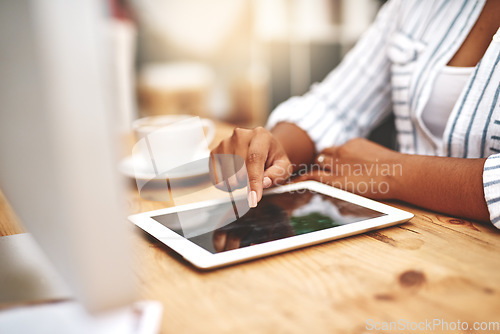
(203,259)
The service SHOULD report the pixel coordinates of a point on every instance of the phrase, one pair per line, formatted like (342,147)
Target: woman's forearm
(452,186)
(449,185)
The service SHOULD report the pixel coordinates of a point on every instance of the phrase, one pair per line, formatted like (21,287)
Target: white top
(448,85)
(392,70)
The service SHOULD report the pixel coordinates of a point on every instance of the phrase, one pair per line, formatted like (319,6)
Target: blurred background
(231,60)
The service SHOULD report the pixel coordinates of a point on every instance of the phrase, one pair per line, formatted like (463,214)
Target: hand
(266,161)
(359,166)
(225,240)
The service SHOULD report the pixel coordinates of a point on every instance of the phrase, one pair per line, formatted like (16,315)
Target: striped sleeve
(491,184)
(354,97)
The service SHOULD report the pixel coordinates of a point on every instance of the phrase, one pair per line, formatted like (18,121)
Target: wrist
(296,143)
(399,175)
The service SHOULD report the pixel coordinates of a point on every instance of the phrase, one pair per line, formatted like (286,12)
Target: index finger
(255,164)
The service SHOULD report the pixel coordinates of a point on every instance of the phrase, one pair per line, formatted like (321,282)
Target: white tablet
(211,234)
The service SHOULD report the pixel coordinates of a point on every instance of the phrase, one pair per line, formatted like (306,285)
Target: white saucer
(194,169)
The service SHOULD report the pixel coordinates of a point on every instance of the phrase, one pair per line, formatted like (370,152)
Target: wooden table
(433,267)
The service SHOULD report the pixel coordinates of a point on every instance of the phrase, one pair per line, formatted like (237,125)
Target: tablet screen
(277,216)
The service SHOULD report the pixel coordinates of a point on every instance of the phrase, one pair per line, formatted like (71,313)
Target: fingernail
(252,199)
(321,158)
(266,183)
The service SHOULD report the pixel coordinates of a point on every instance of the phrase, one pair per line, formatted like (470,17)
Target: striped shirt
(392,70)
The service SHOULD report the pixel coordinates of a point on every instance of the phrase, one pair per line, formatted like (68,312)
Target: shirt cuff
(311,114)
(296,110)
(491,184)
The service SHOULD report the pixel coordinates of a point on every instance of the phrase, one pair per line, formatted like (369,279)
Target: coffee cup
(169,141)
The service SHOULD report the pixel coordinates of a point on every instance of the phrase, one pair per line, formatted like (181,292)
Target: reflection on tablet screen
(276,217)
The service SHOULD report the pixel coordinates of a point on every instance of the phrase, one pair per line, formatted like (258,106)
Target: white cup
(168,141)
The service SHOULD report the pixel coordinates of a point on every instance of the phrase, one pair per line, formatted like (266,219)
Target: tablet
(211,234)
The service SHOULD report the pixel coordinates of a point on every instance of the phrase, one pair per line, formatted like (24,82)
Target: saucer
(193,169)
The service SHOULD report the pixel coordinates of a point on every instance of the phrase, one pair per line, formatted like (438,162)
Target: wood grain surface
(432,267)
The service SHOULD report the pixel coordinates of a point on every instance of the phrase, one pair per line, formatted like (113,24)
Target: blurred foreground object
(58,153)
